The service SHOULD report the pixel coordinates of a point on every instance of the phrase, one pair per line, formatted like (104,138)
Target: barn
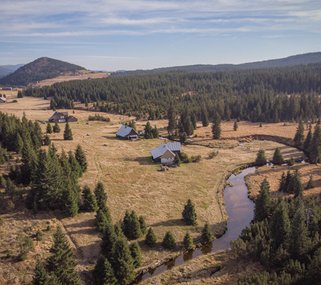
(127,133)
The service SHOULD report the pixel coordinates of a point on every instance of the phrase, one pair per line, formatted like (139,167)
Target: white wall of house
(167,161)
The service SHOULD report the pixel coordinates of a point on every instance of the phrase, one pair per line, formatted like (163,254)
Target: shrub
(212,154)
(196,158)
(98,118)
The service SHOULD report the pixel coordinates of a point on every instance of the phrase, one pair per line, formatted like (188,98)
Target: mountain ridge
(293,60)
(39,69)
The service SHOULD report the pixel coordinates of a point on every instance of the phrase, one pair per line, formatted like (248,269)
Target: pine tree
(296,184)
(307,142)
(216,127)
(62,262)
(123,263)
(102,219)
(299,135)
(310,184)
(40,275)
(155,132)
(108,241)
(189,214)
(299,235)
(150,238)
(49,129)
(81,158)
(46,140)
(56,128)
(89,203)
(19,143)
(68,133)
(101,196)
(277,157)
(136,254)
(148,131)
(194,121)
(207,235)
(235,126)
(169,241)
(260,158)
(315,146)
(283,186)
(188,242)
(263,202)
(313,274)
(185,123)
(172,123)
(143,226)
(131,226)
(281,226)
(103,272)
(204,116)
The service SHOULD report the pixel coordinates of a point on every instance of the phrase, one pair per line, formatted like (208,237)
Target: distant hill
(301,59)
(7,69)
(40,69)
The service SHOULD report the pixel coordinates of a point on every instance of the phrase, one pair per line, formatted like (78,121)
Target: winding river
(240,211)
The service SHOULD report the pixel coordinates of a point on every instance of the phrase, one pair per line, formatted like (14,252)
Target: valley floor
(134,182)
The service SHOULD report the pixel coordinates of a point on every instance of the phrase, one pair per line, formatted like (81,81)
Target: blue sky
(133,34)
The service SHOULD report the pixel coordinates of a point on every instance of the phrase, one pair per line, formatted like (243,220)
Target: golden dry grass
(81,75)
(133,181)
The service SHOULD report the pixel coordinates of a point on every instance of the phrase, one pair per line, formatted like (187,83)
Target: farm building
(62,117)
(127,132)
(166,153)
(3,98)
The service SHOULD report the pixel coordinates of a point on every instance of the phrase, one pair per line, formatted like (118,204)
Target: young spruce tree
(189,214)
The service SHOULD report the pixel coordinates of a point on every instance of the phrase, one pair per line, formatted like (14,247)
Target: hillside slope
(7,69)
(40,69)
(301,59)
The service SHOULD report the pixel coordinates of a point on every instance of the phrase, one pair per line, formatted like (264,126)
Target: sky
(142,34)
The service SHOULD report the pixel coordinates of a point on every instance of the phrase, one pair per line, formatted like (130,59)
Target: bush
(25,245)
(196,158)
(98,118)
(184,157)
(212,154)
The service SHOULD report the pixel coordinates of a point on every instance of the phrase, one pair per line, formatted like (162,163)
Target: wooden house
(62,117)
(127,133)
(166,153)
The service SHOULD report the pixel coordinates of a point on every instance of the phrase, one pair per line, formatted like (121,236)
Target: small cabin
(62,117)
(127,133)
(166,153)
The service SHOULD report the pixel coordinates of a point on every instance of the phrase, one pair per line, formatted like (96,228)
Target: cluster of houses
(62,117)
(165,153)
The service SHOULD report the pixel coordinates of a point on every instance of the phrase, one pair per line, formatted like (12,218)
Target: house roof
(124,131)
(159,151)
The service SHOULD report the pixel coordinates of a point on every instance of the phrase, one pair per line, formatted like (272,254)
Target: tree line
(267,95)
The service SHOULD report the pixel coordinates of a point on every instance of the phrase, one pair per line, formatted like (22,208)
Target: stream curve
(240,211)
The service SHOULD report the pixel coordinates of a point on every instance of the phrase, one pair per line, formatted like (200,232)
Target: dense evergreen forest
(51,178)
(284,237)
(268,95)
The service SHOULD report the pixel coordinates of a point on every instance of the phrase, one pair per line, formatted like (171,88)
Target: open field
(133,182)
(81,75)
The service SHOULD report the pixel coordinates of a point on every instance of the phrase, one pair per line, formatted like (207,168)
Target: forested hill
(40,69)
(268,95)
(301,59)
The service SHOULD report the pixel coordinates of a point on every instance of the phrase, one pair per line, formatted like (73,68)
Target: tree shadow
(143,160)
(169,223)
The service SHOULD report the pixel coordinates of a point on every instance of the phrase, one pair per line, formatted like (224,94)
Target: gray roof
(159,151)
(124,131)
